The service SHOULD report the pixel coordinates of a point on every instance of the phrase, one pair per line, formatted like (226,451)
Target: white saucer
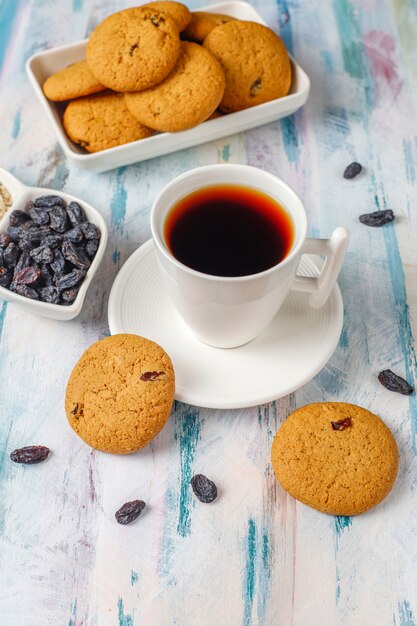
(295,346)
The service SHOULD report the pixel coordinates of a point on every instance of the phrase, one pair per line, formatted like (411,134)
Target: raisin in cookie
(120,393)
(336,457)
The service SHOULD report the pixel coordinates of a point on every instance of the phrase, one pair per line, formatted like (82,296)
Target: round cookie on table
(335,457)
(202,24)
(120,393)
(133,49)
(102,121)
(74,81)
(255,61)
(188,96)
(178,11)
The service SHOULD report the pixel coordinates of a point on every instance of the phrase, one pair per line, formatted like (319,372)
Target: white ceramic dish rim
(156,145)
(222,402)
(21,193)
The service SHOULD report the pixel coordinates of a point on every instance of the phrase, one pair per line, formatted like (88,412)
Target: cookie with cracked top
(133,49)
(336,457)
(120,393)
(255,62)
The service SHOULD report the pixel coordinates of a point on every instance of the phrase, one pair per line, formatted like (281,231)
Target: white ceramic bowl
(43,64)
(21,194)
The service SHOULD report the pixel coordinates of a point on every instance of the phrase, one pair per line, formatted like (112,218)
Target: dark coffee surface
(229,230)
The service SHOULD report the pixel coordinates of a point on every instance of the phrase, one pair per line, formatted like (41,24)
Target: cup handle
(334,250)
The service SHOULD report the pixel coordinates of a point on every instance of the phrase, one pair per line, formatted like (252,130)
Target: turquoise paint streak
(405,614)
(249,573)
(116,257)
(291,137)
(77,5)
(3,310)
(402,310)
(16,124)
(188,428)
(134,578)
(8,12)
(118,201)
(124,618)
(264,578)
(341,522)
(226,153)
(409,164)
(285,30)
(350,38)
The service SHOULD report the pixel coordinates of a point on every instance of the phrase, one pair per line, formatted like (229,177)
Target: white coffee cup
(226,312)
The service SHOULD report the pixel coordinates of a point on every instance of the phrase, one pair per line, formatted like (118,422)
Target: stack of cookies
(160,68)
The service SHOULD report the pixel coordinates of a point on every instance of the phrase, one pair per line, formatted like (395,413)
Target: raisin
(204,489)
(69,295)
(59,264)
(17,218)
(11,255)
(30,455)
(6,276)
(377,218)
(255,87)
(39,215)
(24,290)
(49,202)
(75,255)
(70,280)
(157,20)
(129,511)
(90,230)
(146,376)
(49,294)
(4,240)
(352,170)
(52,240)
(1,257)
(74,235)
(27,276)
(59,220)
(15,233)
(42,254)
(91,247)
(342,424)
(78,410)
(393,382)
(46,276)
(74,410)
(132,49)
(24,261)
(75,213)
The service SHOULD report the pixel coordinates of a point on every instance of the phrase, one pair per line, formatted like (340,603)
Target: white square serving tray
(43,64)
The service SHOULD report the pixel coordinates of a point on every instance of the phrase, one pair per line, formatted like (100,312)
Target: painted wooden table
(256,557)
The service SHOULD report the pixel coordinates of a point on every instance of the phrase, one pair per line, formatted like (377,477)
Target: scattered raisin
(352,170)
(6,276)
(393,382)
(91,247)
(146,376)
(58,265)
(342,424)
(204,489)
(377,218)
(30,454)
(74,235)
(24,261)
(69,295)
(52,240)
(129,511)
(17,218)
